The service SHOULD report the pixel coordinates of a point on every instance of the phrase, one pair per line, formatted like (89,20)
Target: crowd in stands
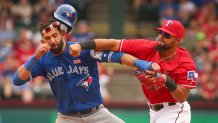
(19,38)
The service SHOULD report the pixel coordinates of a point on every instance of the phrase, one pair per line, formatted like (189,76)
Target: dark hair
(43,25)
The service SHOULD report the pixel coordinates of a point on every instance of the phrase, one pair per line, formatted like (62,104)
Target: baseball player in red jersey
(167,89)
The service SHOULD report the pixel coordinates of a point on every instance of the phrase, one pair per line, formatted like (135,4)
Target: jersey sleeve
(137,47)
(37,70)
(187,76)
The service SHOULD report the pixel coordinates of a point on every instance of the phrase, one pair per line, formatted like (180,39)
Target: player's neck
(168,54)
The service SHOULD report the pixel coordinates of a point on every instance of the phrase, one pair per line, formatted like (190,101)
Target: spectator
(81,6)
(23,11)
(146,11)
(83,32)
(169,14)
(208,83)
(210,26)
(24,47)
(104,81)
(167,4)
(187,10)
(6,30)
(9,90)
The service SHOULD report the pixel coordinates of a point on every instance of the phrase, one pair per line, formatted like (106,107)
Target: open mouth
(54,46)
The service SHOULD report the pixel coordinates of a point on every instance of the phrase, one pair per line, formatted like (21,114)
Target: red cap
(173,27)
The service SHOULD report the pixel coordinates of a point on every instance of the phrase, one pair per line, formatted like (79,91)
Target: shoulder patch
(192,75)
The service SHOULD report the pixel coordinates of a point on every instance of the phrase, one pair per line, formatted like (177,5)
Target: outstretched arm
(98,44)
(126,59)
(106,44)
(132,61)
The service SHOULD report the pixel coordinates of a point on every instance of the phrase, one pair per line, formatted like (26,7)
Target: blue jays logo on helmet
(67,15)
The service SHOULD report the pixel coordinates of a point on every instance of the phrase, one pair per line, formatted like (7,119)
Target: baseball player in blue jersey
(73,80)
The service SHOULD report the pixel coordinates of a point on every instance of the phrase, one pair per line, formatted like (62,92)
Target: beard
(58,49)
(162,47)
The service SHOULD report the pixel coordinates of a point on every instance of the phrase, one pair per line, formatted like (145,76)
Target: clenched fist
(42,50)
(75,50)
(155,67)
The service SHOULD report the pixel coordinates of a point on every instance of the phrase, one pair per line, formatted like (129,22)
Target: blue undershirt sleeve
(17,81)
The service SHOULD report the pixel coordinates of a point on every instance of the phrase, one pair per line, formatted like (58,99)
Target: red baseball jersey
(181,68)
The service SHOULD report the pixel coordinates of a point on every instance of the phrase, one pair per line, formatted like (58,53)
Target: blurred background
(34,102)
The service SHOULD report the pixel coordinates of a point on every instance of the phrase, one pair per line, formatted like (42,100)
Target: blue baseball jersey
(73,80)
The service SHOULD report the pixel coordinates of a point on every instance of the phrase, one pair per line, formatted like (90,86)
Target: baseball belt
(87,112)
(157,107)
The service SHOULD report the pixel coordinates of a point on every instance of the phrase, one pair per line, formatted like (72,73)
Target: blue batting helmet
(67,15)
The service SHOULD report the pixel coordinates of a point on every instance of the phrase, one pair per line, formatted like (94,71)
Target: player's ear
(63,33)
(178,40)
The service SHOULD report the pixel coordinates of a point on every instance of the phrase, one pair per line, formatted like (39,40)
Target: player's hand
(155,67)
(42,50)
(75,50)
(160,81)
(147,82)
(151,80)
(149,73)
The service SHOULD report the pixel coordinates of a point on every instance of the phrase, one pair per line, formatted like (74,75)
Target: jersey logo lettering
(85,82)
(78,70)
(192,76)
(55,73)
(168,22)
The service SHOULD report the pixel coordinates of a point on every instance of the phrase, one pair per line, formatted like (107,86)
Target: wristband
(88,44)
(116,57)
(29,64)
(143,65)
(170,84)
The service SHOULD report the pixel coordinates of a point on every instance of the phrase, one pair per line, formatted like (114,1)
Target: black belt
(157,107)
(86,112)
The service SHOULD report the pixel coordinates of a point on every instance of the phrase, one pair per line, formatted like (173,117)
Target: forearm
(22,74)
(128,60)
(101,44)
(180,94)
(107,44)
(132,61)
